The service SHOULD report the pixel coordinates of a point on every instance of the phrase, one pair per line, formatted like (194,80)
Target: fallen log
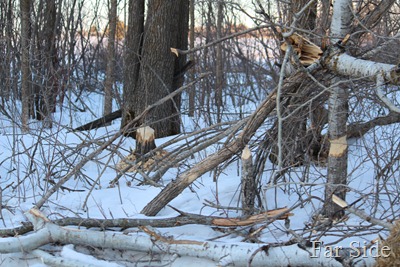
(183,219)
(100,122)
(222,253)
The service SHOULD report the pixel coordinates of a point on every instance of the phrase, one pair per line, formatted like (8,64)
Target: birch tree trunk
(338,113)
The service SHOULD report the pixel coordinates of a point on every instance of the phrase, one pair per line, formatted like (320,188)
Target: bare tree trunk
(192,93)
(48,94)
(219,83)
(338,112)
(324,19)
(25,69)
(111,63)
(133,47)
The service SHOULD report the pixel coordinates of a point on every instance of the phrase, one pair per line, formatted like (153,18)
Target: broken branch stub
(307,51)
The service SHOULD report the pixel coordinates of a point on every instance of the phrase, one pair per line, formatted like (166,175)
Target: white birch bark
(381,73)
(338,112)
(236,254)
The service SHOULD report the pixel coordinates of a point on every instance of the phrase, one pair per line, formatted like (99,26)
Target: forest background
(275,128)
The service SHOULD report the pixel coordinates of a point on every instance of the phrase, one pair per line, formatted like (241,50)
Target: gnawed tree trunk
(294,138)
(335,61)
(144,140)
(338,113)
(248,187)
(133,48)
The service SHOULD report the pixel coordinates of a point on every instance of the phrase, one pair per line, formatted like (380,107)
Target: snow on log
(237,253)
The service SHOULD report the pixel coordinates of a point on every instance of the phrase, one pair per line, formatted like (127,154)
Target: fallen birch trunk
(237,254)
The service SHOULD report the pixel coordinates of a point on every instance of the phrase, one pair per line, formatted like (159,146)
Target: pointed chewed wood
(144,140)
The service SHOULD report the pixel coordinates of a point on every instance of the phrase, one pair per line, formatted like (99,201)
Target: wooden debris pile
(134,161)
(140,157)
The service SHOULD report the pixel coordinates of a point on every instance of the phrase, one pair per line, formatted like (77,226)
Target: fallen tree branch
(51,260)
(101,121)
(183,219)
(82,163)
(238,253)
(178,52)
(174,188)
(340,202)
(356,130)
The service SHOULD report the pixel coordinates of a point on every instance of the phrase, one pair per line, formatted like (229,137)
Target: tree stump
(248,182)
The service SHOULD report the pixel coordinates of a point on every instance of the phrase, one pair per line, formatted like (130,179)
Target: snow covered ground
(31,163)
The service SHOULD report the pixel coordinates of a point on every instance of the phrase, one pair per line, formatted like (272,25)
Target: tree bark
(166,27)
(111,63)
(192,93)
(50,89)
(25,68)
(338,112)
(182,219)
(133,48)
(248,189)
(219,72)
